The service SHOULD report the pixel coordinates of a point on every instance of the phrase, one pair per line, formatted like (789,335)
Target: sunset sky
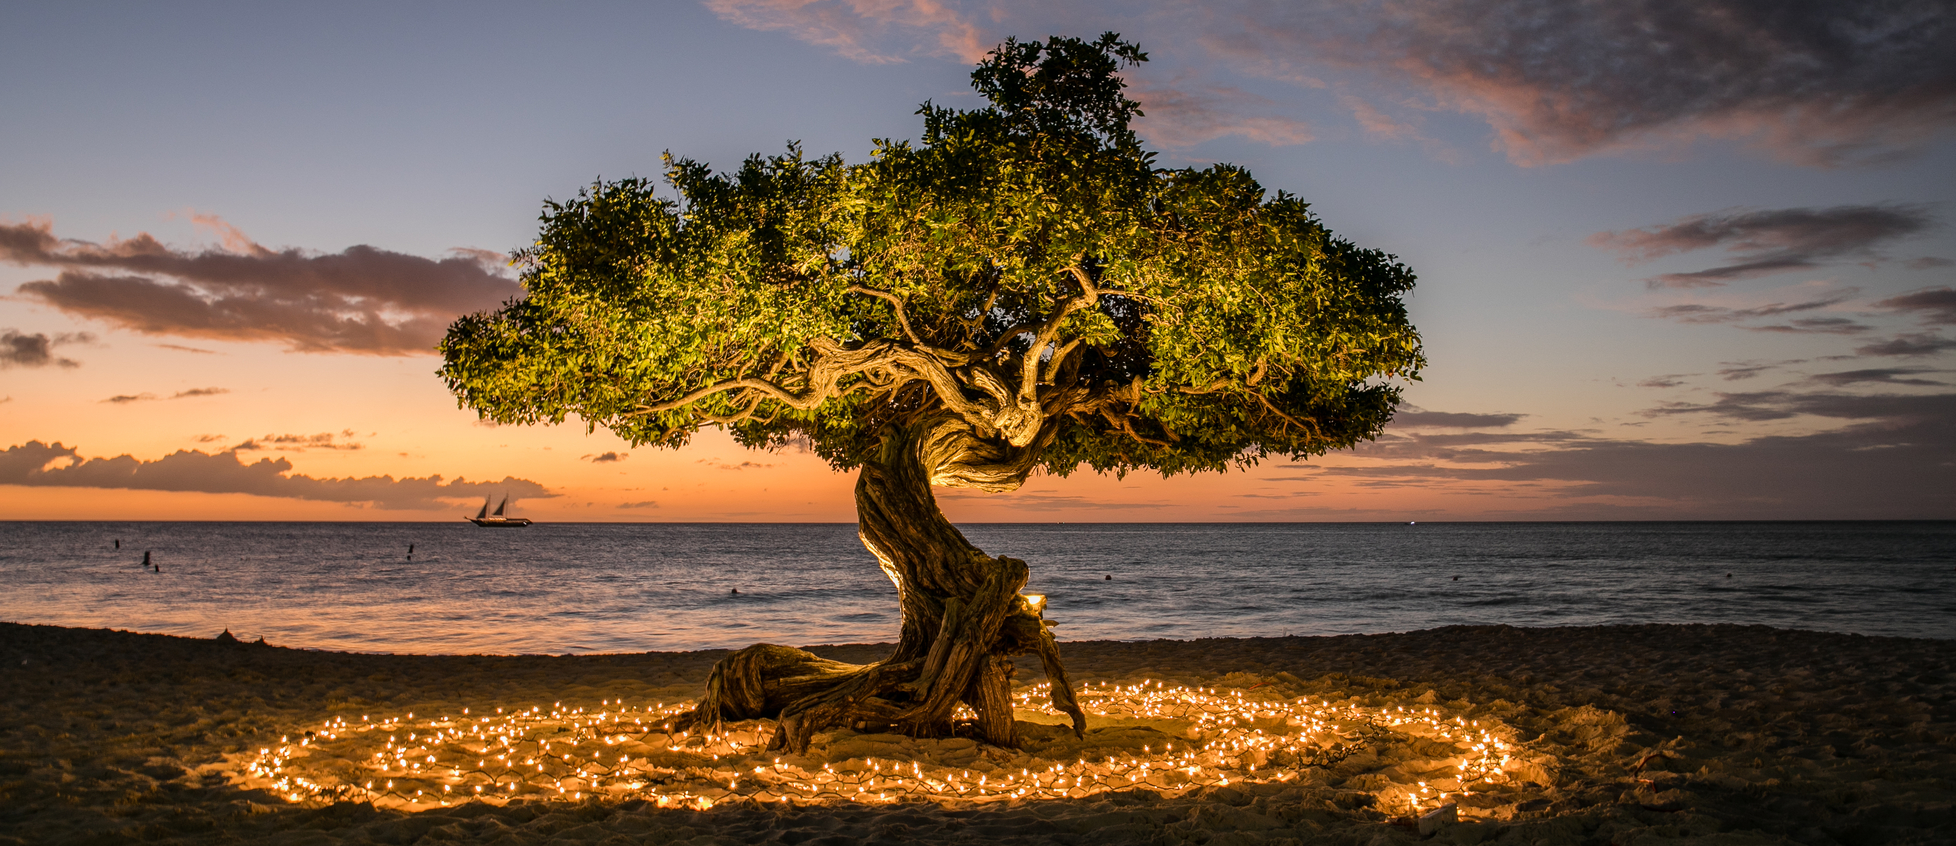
(1677,261)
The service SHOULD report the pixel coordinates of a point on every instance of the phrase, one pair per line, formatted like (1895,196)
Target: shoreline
(1729,734)
(459,520)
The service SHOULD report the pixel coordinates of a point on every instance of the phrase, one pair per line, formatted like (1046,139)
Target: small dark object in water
(736,590)
(118,543)
(1728,575)
(146,559)
(1456,578)
(1110,578)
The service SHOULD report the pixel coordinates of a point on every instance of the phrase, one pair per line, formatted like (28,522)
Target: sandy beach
(1618,735)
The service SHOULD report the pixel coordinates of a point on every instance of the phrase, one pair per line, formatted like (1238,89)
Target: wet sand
(1621,735)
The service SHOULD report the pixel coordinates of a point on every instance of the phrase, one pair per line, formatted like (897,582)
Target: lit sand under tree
(1621,734)
(1166,739)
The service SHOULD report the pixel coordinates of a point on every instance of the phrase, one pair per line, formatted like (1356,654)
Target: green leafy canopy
(1024,271)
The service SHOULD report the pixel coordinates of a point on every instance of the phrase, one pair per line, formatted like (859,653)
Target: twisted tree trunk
(963,615)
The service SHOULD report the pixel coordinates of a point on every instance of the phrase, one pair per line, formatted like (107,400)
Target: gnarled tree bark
(963,614)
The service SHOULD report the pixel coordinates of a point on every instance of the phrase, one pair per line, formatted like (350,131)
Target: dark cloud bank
(1704,313)
(1767,241)
(37,350)
(37,464)
(359,300)
(1909,346)
(1821,84)
(1931,305)
(1894,459)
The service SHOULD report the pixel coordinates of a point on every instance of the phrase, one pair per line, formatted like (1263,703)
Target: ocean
(591,588)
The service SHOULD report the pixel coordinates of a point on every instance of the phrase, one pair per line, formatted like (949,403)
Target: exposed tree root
(964,618)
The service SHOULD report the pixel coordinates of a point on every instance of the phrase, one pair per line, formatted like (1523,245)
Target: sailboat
(484,518)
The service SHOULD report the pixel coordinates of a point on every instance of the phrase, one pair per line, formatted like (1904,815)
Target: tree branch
(898,364)
(1286,418)
(1059,358)
(998,344)
(1048,331)
(896,302)
(977,321)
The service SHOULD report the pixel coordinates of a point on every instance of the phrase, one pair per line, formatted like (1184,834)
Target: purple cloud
(1890,461)
(1765,241)
(1703,313)
(1876,375)
(37,350)
(359,300)
(37,464)
(1909,346)
(1821,84)
(1932,305)
(1419,418)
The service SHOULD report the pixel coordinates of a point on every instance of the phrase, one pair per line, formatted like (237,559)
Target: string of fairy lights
(1206,738)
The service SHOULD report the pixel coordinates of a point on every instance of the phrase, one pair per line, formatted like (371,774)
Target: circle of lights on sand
(1168,739)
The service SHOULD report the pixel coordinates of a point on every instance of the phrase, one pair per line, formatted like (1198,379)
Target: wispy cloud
(38,464)
(882,31)
(1377,123)
(1909,346)
(37,350)
(1932,305)
(1782,405)
(871,31)
(1876,375)
(1419,418)
(1815,326)
(300,443)
(1177,116)
(606,457)
(1668,380)
(1733,371)
(1043,501)
(1707,313)
(715,464)
(124,399)
(1767,241)
(359,300)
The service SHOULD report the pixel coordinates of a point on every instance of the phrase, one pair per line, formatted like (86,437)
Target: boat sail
(484,518)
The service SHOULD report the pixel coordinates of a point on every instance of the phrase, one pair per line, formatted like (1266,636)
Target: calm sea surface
(569,588)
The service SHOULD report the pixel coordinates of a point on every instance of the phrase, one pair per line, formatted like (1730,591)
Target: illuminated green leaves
(1213,324)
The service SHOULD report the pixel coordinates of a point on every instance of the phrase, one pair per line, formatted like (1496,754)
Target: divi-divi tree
(1021,289)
